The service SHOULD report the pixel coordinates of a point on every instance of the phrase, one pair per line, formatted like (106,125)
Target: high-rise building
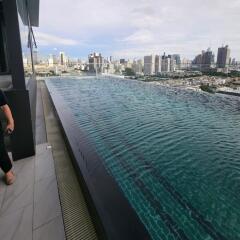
(186,64)
(207,59)
(95,61)
(233,62)
(204,61)
(35,57)
(223,57)
(50,61)
(122,61)
(149,65)
(158,64)
(55,60)
(166,63)
(177,58)
(197,60)
(63,58)
(129,64)
(137,66)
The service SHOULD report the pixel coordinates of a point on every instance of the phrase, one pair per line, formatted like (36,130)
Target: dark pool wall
(115,215)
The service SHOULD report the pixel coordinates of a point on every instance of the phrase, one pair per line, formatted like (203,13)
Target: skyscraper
(204,61)
(149,65)
(62,58)
(197,60)
(166,63)
(95,61)
(177,59)
(122,61)
(207,59)
(50,61)
(223,57)
(137,66)
(35,57)
(158,62)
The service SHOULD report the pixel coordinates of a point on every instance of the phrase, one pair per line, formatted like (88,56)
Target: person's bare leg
(10,178)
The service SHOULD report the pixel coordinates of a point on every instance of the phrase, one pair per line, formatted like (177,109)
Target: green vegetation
(207,88)
(187,76)
(221,74)
(129,72)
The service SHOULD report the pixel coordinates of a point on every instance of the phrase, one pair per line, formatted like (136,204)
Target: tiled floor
(30,208)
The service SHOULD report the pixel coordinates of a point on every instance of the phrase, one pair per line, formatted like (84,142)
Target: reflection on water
(174,153)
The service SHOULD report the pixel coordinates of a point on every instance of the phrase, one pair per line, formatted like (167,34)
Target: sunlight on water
(174,153)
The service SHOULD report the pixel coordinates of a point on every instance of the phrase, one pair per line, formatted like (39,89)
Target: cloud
(140,37)
(138,26)
(44,39)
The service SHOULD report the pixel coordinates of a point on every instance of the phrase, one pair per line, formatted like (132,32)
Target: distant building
(158,64)
(223,57)
(122,61)
(63,59)
(35,57)
(233,62)
(177,59)
(95,61)
(166,63)
(111,69)
(172,64)
(204,61)
(149,65)
(129,64)
(207,59)
(197,60)
(50,61)
(186,64)
(137,67)
(55,60)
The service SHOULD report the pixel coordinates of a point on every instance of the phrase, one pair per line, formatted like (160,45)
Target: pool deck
(30,209)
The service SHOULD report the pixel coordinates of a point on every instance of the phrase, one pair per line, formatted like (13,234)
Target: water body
(174,153)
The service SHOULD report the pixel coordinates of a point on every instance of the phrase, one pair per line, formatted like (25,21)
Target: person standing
(5,162)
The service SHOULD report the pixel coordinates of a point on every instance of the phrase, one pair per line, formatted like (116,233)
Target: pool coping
(116,219)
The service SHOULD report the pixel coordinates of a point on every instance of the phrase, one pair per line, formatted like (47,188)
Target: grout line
(46,223)
(34,170)
(3,214)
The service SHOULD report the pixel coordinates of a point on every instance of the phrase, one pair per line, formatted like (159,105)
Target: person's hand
(10,127)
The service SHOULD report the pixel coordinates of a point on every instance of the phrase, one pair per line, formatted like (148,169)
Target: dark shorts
(5,162)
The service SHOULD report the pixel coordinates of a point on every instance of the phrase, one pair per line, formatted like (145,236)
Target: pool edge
(116,219)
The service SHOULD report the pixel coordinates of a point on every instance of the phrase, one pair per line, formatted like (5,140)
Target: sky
(134,28)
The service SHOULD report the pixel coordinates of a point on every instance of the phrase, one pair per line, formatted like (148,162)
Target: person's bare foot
(9,177)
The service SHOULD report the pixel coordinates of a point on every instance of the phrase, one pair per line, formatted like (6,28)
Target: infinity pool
(174,153)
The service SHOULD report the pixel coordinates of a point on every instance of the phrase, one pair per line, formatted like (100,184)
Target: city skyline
(197,59)
(138,28)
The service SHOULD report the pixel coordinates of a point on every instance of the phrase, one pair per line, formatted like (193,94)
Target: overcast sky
(134,28)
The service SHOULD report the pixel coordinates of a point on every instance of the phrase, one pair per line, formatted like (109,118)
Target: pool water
(174,153)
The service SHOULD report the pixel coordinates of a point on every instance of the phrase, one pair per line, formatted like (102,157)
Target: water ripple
(190,139)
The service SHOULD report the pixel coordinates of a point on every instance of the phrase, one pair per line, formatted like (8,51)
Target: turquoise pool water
(174,153)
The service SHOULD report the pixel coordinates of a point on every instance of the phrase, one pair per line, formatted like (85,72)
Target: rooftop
(38,206)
